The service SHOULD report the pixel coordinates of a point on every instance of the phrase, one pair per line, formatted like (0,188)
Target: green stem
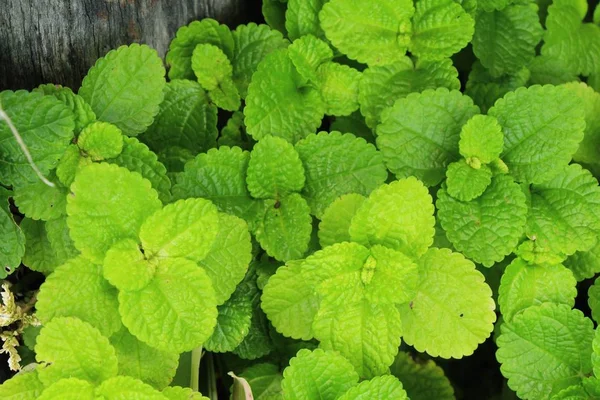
(212,379)
(195,375)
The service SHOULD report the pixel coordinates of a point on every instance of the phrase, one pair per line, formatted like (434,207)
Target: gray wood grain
(57,41)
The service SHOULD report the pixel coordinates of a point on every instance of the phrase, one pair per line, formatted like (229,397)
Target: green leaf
(466,183)
(422,380)
(398,215)
(525,285)
(339,88)
(233,322)
(548,70)
(180,393)
(211,66)
(78,289)
(374,33)
(285,228)
(419,135)
(72,348)
(127,388)
(12,238)
(488,228)
(82,111)
(186,119)
(274,169)
(542,127)
(252,43)
(307,54)
(39,255)
(302,18)
(596,352)
(138,360)
(588,389)
(23,386)
(338,164)
(60,241)
(274,13)
(389,276)
(46,127)
(491,5)
(125,87)
(279,104)
(335,223)
(265,381)
(544,349)
(485,89)
(453,311)
(126,267)
(318,374)
(137,157)
(481,137)
(381,86)
(234,133)
(227,261)
(588,148)
(594,301)
(505,40)
(564,212)
(584,264)
(219,176)
(208,31)
(108,203)
(70,163)
(41,202)
(186,229)
(380,387)
(176,311)
(69,389)
(440,29)
(101,140)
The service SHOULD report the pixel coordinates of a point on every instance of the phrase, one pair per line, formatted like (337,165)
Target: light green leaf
(488,228)
(584,264)
(23,386)
(186,119)
(339,88)
(233,321)
(564,212)
(72,348)
(41,202)
(335,223)
(453,311)
(374,33)
(77,289)
(70,163)
(381,86)
(138,360)
(389,276)
(207,30)
(422,380)
(211,66)
(82,111)
(505,40)
(525,285)
(69,389)
(108,204)
(137,157)
(302,18)
(337,164)
(307,54)
(227,261)
(252,43)
(594,301)
(186,229)
(279,104)
(125,87)
(398,215)
(380,387)
(481,137)
(274,169)
(589,146)
(258,342)
(285,228)
(466,183)
(126,267)
(176,311)
(544,349)
(596,352)
(548,70)
(219,176)
(180,393)
(46,127)
(127,388)
(440,28)
(419,135)
(101,140)
(265,381)
(542,127)
(317,374)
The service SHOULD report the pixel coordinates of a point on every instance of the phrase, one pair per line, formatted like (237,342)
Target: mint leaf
(82,111)
(307,54)
(339,88)
(101,140)
(584,264)
(380,387)
(126,387)
(125,87)
(69,389)
(591,136)
(302,18)
(39,254)
(126,267)
(39,201)
(466,183)
(422,380)
(335,223)
(481,137)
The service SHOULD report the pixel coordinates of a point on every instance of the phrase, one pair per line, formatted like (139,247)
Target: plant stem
(195,375)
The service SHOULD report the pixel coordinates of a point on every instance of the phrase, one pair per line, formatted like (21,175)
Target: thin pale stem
(195,375)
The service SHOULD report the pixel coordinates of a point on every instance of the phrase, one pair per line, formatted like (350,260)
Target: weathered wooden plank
(56,41)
